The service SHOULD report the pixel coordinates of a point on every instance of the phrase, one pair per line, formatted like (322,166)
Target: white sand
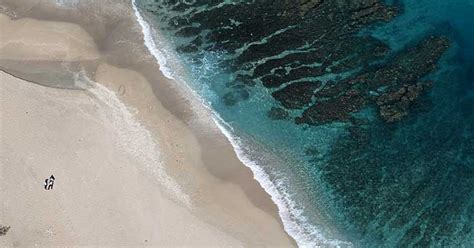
(102,196)
(30,39)
(128,171)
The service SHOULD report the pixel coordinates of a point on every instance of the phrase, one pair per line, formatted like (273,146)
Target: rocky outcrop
(338,100)
(290,47)
(393,106)
(296,95)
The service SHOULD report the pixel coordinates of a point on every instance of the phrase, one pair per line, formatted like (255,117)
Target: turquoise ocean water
(346,180)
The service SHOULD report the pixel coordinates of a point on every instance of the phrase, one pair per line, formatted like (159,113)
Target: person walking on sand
(49,182)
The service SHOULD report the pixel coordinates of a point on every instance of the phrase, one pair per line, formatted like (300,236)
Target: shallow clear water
(358,180)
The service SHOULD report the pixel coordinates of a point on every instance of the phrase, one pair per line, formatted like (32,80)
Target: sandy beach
(137,161)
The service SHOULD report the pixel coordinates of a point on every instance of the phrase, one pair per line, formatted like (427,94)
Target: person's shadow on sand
(49,182)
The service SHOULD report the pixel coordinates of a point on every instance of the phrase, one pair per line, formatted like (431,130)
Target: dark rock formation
(393,106)
(400,75)
(335,109)
(278,43)
(296,95)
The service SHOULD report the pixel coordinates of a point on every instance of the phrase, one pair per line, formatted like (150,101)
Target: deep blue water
(355,179)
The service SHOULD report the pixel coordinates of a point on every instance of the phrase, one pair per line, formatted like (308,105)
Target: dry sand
(137,162)
(103,195)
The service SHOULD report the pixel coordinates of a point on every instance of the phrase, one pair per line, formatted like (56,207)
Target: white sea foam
(132,136)
(150,43)
(295,223)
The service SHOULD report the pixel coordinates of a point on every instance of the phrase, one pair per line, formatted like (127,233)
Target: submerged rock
(277,114)
(335,109)
(296,95)
(235,96)
(338,100)
(393,106)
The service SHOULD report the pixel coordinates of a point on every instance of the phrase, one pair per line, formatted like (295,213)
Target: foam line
(295,224)
(150,43)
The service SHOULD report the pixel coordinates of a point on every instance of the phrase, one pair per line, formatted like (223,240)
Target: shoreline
(106,71)
(295,225)
(258,174)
